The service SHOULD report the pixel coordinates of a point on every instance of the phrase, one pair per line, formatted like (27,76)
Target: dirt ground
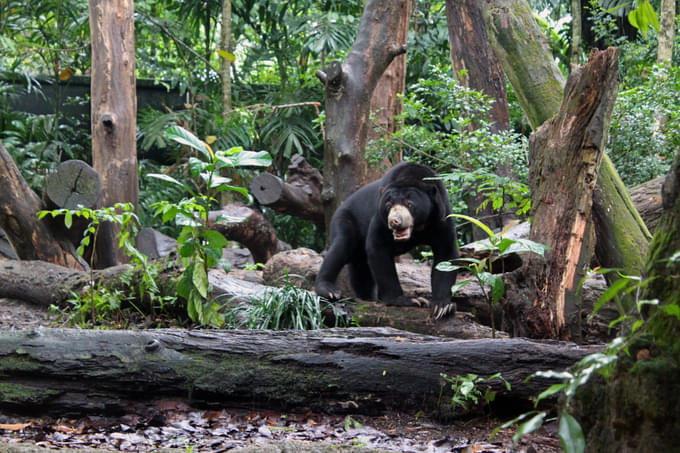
(178,427)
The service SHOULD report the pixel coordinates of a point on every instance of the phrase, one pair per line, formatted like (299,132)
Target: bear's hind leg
(362,280)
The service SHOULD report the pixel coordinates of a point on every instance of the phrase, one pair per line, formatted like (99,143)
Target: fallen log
(249,228)
(73,371)
(647,200)
(299,195)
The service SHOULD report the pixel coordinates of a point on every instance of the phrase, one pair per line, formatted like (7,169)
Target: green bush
(645,127)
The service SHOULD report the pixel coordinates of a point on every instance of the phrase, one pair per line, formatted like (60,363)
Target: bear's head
(405,209)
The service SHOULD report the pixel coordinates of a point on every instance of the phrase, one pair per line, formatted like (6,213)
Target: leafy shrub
(644,125)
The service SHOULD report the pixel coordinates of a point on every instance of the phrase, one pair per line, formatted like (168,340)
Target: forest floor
(178,427)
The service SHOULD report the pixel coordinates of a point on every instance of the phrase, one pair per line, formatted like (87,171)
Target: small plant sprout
(482,269)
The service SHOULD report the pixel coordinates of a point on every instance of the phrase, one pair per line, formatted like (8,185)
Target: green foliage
(286,307)
(482,269)
(199,247)
(444,127)
(467,389)
(100,301)
(645,126)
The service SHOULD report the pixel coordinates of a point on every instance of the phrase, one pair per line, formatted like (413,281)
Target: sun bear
(384,219)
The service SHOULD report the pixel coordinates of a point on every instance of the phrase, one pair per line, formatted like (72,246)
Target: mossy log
(74,371)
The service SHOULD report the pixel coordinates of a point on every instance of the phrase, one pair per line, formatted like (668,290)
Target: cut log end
(266,188)
(73,183)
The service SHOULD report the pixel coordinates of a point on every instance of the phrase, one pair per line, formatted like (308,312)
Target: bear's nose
(395,221)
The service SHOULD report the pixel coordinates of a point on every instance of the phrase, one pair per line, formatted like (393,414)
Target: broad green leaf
(194,305)
(197,166)
(184,285)
(455,288)
(571,434)
(218,180)
(529,426)
(68,219)
(481,225)
(555,388)
(214,238)
(610,293)
(183,136)
(526,245)
(169,179)
(200,280)
(252,159)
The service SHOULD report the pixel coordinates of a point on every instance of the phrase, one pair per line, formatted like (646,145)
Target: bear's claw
(441,311)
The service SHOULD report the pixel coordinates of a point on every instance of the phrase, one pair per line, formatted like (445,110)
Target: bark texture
(31,239)
(471,52)
(525,56)
(114,113)
(535,78)
(386,105)
(349,87)
(299,195)
(73,183)
(565,153)
(666,38)
(338,370)
(253,230)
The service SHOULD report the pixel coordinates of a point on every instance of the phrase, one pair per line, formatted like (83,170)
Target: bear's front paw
(405,301)
(327,290)
(443,308)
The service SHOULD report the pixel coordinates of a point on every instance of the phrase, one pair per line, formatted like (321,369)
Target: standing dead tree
(565,154)
(349,86)
(114,113)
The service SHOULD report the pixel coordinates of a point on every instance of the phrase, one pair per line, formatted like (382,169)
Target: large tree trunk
(349,86)
(385,103)
(666,38)
(471,52)
(114,113)
(565,153)
(477,67)
(367,371)
(31,239)
(638,407)
(526,58)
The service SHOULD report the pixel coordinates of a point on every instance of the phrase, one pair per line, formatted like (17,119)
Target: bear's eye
(388,205)
(409,204)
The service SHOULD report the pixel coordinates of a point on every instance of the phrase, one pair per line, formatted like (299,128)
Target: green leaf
(68,219)
(481,225)
(571,434)
(200,280)
(446,266)
(672,310)
(253,159)
(183,136)
(529,426)
(214,238)
(555,388)
(169,179)
(455,288)
(610,293)
(526,245)
(228,219)
(194,306)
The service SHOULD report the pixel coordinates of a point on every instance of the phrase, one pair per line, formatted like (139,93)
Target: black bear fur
(360,235)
